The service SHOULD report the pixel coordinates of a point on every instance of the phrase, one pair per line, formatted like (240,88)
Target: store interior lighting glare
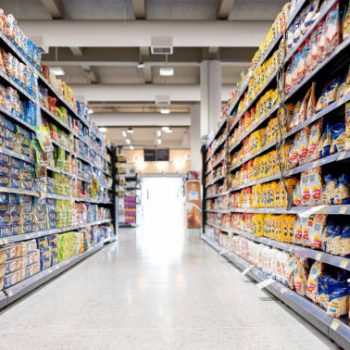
(167,129)
(128,141)
(58,71)
(166,71)
(159,133)
(103,129)
(90,111)
(132,147)
(130,130)
(124,133)
(159,141)
(165,110)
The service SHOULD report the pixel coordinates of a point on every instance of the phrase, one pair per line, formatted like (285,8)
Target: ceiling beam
(90,74)
(139,33)
(147,71)
(138,93)
(139,7)
(54,8)
(134,63)
(225,8)
(141,119)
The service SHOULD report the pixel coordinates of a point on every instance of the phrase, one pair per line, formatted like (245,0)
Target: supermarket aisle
(153,291)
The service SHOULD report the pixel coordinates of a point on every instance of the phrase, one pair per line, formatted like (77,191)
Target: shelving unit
(95,226)
(225,163)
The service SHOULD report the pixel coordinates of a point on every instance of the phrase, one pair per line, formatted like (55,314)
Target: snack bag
(347,126)
(311,104)
(338,304)
(314,141)
(305,188)
(346,23)
(301,276)
(345,241)
(298,231)
(339,138)
(291,266)
(297,197)
(342,190)
(332,30)
(321,41)
(293,155)
(313,280)
(323,291)
(328,95)
(326,142)
(307,223)
(316,186)
(329,189)
(315,233)
(303,144)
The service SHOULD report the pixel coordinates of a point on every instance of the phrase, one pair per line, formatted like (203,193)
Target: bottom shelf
(336,329)
(19,290)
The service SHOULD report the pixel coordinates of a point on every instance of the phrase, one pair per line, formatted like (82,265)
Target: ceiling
(147,137)
(95,65)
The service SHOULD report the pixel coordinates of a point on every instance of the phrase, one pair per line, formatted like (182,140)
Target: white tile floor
(156,289)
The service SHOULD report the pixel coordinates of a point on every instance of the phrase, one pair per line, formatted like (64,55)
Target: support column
(214,94)
(196,157)
(210,75)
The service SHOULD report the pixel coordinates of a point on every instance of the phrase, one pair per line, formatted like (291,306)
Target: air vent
(162,45)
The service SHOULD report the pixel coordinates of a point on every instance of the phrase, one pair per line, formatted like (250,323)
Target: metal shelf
(19,290)
(218,131)
(217,195)
(334,328)
(19,191)
(63,147)
(216,180)
(16,155)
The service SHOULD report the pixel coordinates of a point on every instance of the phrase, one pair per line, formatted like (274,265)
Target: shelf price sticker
(344,264)
(224,251)
(335,325)
(342,155)
(9,292)
(318,257)
(283,290)
(247,270)
(343,209)
(265,283)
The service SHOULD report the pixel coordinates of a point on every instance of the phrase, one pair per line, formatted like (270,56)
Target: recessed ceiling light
(167,129)
(166,71)
(140,65)
(90,111)
(159,141)
(57,71)
(130,130)
(124,133)
(103,129)
(128,141)
(132,147)
(165,110)
(159,133)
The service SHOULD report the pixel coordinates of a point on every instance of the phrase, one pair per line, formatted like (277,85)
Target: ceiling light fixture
(128,141)
(90,111)
(159,133)
(140,65)
(159,141)
(166,71)
(124,133)
(167,129)
(132,147)
(165,110)
(130,130)
(103,129)
(58,71)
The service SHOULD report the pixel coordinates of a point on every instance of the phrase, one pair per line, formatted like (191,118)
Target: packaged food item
(329,189)
(306,188)
(332,30)
(346,22)
(338,304)
(311,104)
(347,126)
(301,276)
(297,196)
(326,142)
(342,190)
(345,241)
(339,138)
(314,141)
(303,144)
(316,185)
(313,281)
(307,223)
(315,233)
(298,231)
(328,95)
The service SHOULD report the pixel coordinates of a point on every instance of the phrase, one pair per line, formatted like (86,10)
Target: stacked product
(285,192)
(55,170)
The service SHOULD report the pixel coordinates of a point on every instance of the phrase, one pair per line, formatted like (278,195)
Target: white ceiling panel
(120,75)
(256,10)
(181,9)
(25,9)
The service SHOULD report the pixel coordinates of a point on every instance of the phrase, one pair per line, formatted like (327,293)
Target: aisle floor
(154,289)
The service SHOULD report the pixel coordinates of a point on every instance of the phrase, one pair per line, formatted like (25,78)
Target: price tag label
(335,325)
(265,283)
(247,270)
(283,290)
(9,292)
(344,264)
(342,155)
(223,252)
(318,256)
(343,209)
